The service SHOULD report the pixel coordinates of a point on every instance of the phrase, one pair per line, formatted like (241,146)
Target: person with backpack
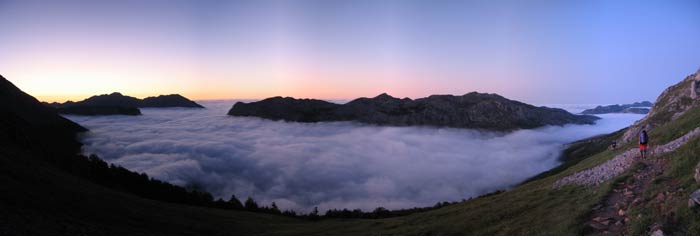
(643,140)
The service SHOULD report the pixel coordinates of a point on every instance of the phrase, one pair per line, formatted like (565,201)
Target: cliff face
(472,110)
(671,104)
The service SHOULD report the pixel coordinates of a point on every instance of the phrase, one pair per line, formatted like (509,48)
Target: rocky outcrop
(695,87)
(694,199)
(636,108)
(618,164)
(671,104)
(118,104)
(697,173)
(472,110)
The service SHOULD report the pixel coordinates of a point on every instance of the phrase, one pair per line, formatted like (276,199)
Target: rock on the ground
(694,199)
(658,232)
(660,197)
(697,173)
(621,212)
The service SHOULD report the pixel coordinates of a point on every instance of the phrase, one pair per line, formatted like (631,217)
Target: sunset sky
(534,51)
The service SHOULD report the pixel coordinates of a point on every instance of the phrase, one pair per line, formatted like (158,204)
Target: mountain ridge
(119,104)
(471,110)
(636,108)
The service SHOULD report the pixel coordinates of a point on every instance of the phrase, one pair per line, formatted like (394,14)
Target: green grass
(679,175)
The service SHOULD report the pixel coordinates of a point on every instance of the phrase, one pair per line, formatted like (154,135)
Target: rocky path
(618,164)
(610,217)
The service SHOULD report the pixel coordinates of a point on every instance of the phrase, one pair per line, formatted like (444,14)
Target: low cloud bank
(329,165)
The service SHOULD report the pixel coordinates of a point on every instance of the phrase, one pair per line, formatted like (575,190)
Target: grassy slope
(673,211)
(534,208)
(37,199)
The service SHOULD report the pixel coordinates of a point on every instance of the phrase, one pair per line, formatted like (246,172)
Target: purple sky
(534,51)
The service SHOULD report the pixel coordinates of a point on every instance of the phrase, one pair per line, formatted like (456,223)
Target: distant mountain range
(472,110)
(118,104)
(636,108)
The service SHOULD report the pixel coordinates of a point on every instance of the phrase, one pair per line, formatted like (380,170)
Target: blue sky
(534,51)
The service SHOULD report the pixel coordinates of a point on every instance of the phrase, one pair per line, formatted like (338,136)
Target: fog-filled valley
(330,164)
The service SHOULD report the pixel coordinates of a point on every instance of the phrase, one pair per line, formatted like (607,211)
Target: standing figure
(643,140)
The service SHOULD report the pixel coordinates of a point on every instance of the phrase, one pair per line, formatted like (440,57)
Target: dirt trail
(620,163)
(611,218)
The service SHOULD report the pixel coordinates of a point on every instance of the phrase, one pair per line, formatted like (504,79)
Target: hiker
(643,140)
(613,146)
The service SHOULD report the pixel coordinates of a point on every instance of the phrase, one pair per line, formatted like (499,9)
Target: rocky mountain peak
(695,86)
(671,104)
(384,96)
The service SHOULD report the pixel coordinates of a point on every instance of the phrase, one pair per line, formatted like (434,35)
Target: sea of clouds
(329,165)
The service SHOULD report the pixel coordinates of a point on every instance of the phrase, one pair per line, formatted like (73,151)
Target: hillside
(652,193)
(40,197)
(472,110)
(49,190)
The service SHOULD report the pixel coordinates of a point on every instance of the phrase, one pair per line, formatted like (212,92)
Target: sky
(575,52)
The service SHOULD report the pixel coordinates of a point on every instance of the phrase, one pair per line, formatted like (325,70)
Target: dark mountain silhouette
(24,121)
(118,104)
(636,108)
(172,100)
(472,110)
(84,110)
(48,188)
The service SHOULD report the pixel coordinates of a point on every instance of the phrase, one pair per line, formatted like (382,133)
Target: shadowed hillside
(49,190)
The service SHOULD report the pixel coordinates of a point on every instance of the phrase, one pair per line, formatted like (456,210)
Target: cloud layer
(329,165)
